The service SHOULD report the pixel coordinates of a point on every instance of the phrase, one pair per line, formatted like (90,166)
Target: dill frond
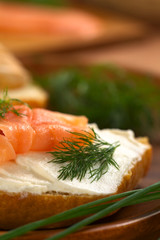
(76,159)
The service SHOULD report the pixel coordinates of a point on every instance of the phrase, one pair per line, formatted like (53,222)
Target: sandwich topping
(43,151)
(75,146)
(33,172)
(89,153)
(37,129)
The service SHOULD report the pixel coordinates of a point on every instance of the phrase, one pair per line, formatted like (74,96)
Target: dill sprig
(85,153)
(6,105)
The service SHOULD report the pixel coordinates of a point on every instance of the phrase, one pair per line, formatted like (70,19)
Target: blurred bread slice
(12,74)
(31,94)
(18,81)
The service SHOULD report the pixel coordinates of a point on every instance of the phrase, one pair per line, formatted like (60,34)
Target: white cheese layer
(32,172)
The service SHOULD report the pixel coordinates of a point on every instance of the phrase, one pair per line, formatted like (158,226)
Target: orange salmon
(37,130)
(52,127)
(6,150)
(26,19)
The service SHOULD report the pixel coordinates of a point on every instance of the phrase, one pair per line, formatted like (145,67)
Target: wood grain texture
(135,222)
(141,55)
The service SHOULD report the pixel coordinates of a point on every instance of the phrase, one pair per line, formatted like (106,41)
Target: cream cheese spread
(32,172)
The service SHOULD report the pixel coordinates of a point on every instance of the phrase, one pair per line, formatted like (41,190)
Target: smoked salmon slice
(18,129)
(38,129)
(26,19)
(6,150)
(52,127)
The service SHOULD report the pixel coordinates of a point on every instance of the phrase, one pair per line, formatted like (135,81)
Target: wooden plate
(138,222)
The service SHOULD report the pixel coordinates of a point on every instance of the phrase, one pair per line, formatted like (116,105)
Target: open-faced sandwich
(51,162)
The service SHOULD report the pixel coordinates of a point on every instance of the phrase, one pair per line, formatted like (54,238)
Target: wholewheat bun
(17,209)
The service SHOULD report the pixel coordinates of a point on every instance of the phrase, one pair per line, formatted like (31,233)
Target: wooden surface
(140,55)
(141,8)
(135,222)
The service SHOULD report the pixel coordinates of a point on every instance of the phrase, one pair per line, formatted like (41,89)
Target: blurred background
(99,58)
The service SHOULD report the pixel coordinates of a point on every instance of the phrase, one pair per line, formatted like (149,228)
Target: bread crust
(15,75)
(31,94)
(17,209)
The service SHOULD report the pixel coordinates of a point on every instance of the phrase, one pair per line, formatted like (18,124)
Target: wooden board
(135,222)
(142,55)
(149,10)
(111,29)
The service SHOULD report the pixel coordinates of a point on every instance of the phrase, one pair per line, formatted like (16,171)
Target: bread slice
(18,81)
(17,209)
(12,73)
(34,95)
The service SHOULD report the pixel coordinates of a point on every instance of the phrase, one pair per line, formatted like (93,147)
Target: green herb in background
(53,3)
(107,95)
